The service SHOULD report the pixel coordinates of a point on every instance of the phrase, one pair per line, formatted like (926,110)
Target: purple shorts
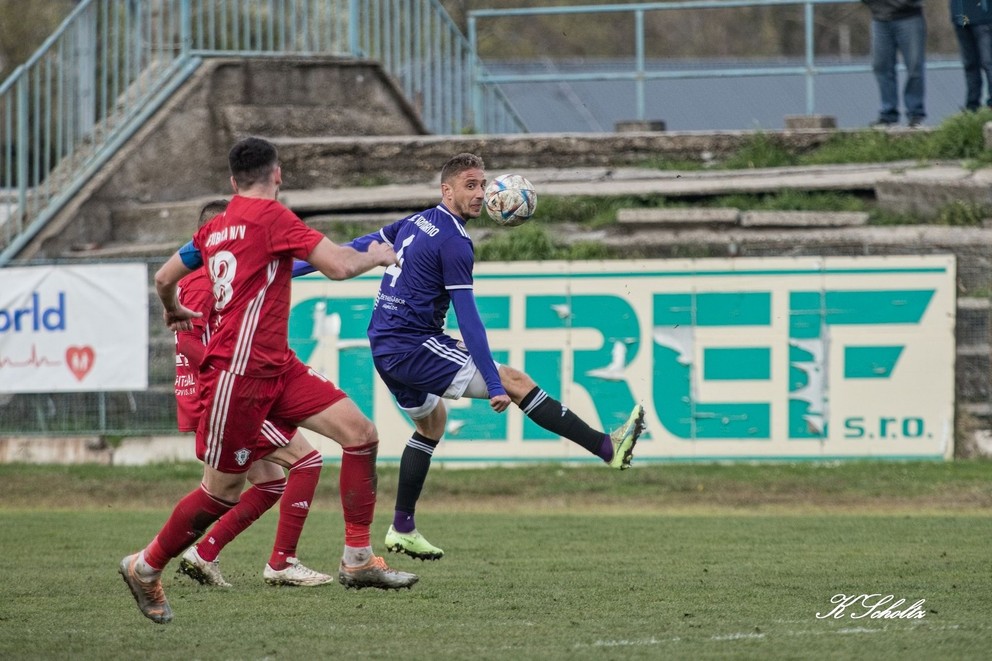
(441,367)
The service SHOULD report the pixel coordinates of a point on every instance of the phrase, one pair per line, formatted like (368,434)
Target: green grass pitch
(684,562)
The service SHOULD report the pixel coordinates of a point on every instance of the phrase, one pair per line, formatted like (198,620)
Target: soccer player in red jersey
(281,445)
(249,374)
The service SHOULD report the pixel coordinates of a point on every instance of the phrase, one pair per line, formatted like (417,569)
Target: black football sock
(414,464)
(557,418)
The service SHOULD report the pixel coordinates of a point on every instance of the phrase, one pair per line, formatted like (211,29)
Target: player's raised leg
(219,491)
(615,449)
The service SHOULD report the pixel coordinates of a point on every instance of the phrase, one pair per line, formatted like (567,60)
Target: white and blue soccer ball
(510,200)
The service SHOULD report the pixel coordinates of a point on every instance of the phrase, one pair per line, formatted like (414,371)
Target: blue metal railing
(640,73)
(112,63)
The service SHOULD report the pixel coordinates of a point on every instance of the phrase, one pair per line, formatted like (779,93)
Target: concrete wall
(181,152)
(331,161)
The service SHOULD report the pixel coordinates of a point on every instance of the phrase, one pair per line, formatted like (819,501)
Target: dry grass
(857,486)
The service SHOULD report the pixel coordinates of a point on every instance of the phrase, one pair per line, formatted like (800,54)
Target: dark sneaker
(375,574)
(148,594)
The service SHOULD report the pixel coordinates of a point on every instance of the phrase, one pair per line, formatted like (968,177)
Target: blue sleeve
(302,268)
(385,235)
(361,244)
(190,256)
(474,336)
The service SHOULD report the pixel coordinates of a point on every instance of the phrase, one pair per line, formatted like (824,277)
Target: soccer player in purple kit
(421,364)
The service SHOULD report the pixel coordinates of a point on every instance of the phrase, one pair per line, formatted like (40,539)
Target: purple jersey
(436,256)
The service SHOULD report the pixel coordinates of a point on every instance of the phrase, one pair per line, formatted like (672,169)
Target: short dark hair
(252,160)
(211,209)
(458,164)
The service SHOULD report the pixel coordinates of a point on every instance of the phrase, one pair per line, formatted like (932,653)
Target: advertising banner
(74,328)
(733,359)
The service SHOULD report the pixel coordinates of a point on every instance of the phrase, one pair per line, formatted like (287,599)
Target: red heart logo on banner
(80,360)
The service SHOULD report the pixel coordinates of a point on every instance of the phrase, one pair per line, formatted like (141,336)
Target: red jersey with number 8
(248,252)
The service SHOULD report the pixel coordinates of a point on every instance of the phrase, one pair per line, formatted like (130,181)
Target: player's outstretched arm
(177,316)
(477,343)
(341,262)
(361,244)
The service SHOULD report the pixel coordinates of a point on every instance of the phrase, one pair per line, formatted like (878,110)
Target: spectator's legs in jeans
(883,62)
(983,42)
(911,40)
(972,64)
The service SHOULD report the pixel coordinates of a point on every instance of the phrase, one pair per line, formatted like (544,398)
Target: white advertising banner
(74,328)
(733,359)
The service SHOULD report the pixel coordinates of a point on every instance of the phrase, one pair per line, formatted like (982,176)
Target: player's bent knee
(223,486)
(344,423)
(292,453)
(362,433)
(433,424)
(264,471)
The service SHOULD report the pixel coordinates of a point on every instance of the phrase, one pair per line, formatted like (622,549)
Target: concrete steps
(160,223)
(714,217)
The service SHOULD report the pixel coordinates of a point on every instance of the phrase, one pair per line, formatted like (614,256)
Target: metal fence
(641,70)
(112,63)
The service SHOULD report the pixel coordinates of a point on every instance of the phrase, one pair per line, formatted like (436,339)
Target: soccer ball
(510,200)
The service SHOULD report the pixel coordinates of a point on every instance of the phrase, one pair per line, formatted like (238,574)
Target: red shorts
(188,408)
(236,409)
(274,435)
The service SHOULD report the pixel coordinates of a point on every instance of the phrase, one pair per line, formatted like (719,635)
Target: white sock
(356,556)
(143,569)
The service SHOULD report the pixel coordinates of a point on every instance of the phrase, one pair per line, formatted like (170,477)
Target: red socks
(254,502)
(191,516)
(358,483)
(295,506)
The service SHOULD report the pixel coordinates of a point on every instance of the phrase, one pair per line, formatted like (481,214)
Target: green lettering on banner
(811,313)
(737,364)
(601,336)
(876,362)
(331,334)
(675,318)
(601,371)
(494,311)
